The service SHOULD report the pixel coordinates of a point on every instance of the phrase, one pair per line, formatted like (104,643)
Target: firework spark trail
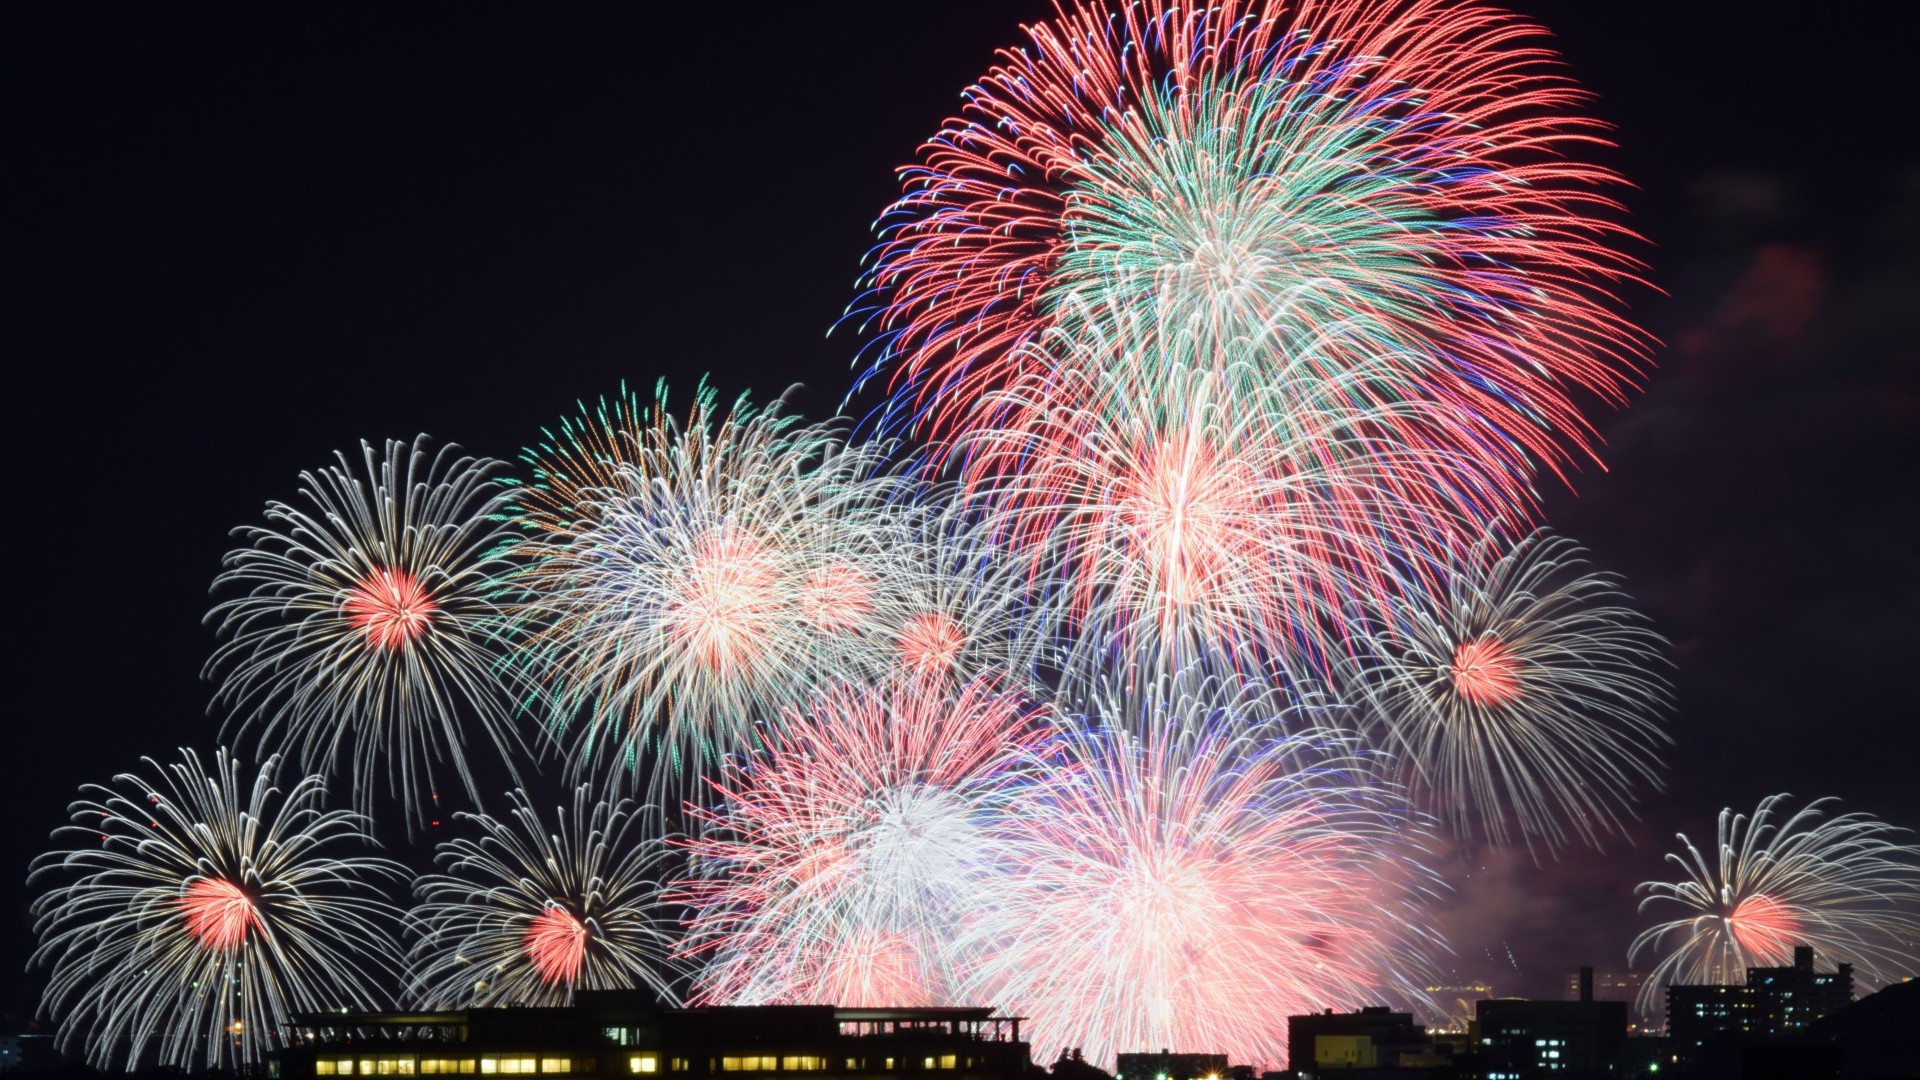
(526,913)
(835,863)
(198,911)
(1180,519)
(1196,874)
(1524,696)
(954,601)
(1847,885)
(1406,171)
(370,620)
(687,580)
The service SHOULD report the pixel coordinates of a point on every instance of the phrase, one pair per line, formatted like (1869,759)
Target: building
(1170,1066)
(1775,1001)
(1522,1040)
(1455,1003)
(1351,1044)
(1616,986)
(626,1034)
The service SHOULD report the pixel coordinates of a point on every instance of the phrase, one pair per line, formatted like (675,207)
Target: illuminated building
(625,1034)
(1375,1039)
(1170,1066)
(1522,1040)
(1775,1001)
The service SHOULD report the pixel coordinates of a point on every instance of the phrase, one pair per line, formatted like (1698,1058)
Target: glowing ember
(1485,672)
(929,644)
(838,596)
(557,945)
(728,598)
(219,913)
(1766,929)
(390,607)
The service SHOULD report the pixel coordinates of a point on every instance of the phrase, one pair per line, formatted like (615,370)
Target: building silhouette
(1522,1040)
(627,1034)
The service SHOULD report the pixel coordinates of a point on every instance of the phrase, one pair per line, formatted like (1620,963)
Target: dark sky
(242,240)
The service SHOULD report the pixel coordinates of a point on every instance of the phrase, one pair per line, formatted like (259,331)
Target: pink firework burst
(730,599)
(1486,672)
(1196,876)
(557,946)
(390,607)
(835,861)
(219,914)
(1357,179)
(929,644)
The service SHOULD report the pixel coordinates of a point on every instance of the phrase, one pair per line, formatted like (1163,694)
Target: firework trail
(369,617)
(836,862)
(1847,885)
(953,604)
(199,911)
(1358,178)
(1196,875)
(528,913)
(1171,524)
(686,580)
(1523,696)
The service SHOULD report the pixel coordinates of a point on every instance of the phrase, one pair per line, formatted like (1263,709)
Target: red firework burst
(1486,672)
(390,607)
(557,946)
(219,914)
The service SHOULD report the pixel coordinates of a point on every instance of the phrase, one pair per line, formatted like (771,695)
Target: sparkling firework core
(219,913)
(390,607)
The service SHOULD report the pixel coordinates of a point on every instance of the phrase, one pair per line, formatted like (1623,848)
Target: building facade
(626,1034)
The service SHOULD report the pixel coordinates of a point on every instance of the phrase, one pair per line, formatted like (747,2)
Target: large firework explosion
(1174,519)
(526,913)
(1524,697)
(1363,178)
(839,860)
(196,911)
(1194,873)
(674,583)
(1848,885)
(370,618)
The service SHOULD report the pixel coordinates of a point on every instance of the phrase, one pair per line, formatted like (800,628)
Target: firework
(1524,696)
(528,913)
(200,911)
(368,619)
(687,579)
(1179,519)
(953,600)
(1847,885)
(840,857)
(1197,874)
(1366,178)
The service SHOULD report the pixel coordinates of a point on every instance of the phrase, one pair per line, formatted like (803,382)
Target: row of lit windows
(411,1066)
(638,1064)
(811,1063)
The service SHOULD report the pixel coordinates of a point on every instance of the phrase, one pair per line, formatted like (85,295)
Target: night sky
(242,241)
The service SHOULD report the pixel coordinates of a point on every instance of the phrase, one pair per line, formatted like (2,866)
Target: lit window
(949,1061)
(323,1067)
(680,1064)
(644,1063)
(556,1065)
